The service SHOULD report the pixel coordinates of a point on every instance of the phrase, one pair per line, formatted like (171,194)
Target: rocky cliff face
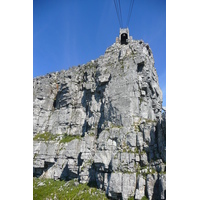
(101,122)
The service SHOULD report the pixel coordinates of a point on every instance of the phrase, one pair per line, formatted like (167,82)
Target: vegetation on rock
(55,137)
(50,189)
(44,137)
(144,198)
(68,138)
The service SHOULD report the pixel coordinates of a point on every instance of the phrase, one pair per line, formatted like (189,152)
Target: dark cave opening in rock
(54,103)
(140,66)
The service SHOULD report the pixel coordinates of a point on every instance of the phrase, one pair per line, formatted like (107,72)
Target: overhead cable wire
(120,12)
(117,12)
(130,11)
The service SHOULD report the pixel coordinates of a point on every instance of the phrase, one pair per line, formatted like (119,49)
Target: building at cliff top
(124,37)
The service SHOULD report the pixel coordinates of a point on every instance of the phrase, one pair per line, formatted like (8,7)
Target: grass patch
(65,190)
(144,198)
(115,126)
(150,121)
(53,137)
(136,126)
(126,148)
(127,172)
(68,138)
(136,150)
(162,172)
(45,137)
(91,134)
(153,171)
(142,152)
(141,100)
(127,151)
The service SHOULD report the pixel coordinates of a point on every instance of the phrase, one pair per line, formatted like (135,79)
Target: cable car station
(124,37)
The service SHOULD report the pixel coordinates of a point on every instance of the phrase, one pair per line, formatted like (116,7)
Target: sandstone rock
(144,159)
(103,157)
(129,185)
(162,179)
(131,139)
(139,139)
(140,190)
(150,184)
(41,184)
(114,105)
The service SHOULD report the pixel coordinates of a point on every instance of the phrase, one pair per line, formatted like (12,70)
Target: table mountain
(102,123)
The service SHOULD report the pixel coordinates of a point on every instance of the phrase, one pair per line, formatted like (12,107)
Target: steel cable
(120,13)
(130,11)
(117,13)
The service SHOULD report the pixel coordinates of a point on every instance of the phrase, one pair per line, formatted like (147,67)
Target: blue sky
(67,33)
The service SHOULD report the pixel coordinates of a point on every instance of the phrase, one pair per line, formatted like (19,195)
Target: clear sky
(67,33)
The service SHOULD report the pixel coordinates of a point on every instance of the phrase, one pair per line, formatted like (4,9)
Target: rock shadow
(67,174)
(157,144)
(156,191)
(86,100)
(37,172)
(92,179)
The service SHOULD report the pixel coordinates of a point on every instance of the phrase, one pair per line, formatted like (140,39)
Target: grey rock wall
(114,105)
